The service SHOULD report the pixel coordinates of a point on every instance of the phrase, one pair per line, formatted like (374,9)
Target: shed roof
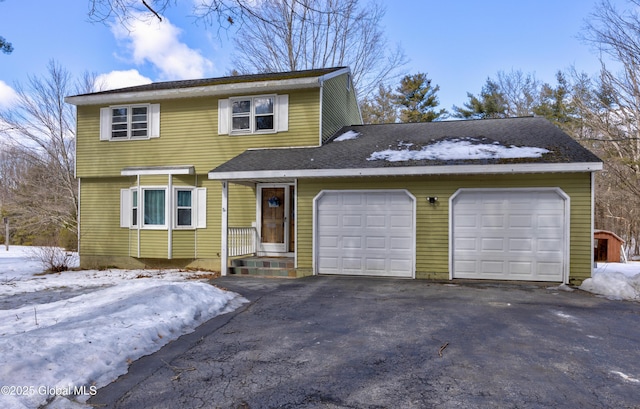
(527,144)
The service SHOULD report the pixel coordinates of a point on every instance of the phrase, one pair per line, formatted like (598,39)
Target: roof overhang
(158,170)
(251,87)
(409,171)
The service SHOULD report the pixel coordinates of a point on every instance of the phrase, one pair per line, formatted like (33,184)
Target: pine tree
(555,102)
(5,46)
(491,104)
(380,108)
(417,99)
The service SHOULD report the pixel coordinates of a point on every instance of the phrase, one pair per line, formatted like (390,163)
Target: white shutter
(223,116)
(282,116)
(105,124)
(125,208)
(154,121)
(201,207)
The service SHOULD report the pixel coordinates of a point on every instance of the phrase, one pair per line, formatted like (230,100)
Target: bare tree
(292,35)
(521,92)
(609,106)
(39,140)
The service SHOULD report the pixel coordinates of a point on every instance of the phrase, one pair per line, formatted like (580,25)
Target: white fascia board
(412,171)
(191,92)
(334,74)
(158,170)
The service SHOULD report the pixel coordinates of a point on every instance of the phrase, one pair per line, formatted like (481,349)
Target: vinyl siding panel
(432,221)
(188,136)
(100,233)
(154,243)
(339,106)
(184,244)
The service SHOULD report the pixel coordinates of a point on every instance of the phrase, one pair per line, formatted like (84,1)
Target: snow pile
(458,149)
(75,345)
(347,136)
(615,281)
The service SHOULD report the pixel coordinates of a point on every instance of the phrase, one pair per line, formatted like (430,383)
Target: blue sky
(458,43)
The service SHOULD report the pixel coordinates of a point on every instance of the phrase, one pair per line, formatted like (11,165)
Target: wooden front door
(274,229)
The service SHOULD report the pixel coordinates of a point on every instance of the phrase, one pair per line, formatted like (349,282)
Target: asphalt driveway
(332,342)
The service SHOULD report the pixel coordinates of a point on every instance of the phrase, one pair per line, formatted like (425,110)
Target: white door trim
(316,199)
(567,226)
(270,249)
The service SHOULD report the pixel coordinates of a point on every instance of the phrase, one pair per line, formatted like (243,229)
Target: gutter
(410,171)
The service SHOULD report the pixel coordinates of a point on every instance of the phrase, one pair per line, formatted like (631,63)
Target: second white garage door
(510,234)
(365,233)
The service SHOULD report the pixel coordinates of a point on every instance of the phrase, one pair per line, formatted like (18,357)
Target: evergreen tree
(380,108)
(417,99)
(491,104)
(5,46)
(555,103)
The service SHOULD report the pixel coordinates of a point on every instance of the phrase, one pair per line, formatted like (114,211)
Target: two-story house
(201,173)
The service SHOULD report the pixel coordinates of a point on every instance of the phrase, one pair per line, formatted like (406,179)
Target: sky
(89,324)
(457,43)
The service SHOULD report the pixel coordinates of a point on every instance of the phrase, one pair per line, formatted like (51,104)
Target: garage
(368,233)
(507,234)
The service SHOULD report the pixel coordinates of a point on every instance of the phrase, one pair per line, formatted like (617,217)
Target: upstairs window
(253,115)
(260,114)
(130,122)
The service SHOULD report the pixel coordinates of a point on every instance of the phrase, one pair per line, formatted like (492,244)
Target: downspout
(78,218)
(225,227)
(593,211)
(169,212)
(139,193)
(321,81)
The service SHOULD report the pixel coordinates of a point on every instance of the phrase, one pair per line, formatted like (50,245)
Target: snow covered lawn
(96,324)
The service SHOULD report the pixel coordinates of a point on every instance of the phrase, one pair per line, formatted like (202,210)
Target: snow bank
(615,281)
(76,345)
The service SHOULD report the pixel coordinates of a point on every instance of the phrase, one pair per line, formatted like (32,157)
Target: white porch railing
(242,241)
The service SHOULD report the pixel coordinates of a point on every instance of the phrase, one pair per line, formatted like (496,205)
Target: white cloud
(7,95)
(121,79)
(157,42)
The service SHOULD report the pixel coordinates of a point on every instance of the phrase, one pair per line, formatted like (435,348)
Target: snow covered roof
(449,147)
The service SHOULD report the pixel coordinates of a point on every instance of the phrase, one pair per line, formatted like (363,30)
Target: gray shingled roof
(234,79)
(354,153)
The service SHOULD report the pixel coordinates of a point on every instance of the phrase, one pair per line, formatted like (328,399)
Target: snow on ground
(617,281)
(457,149)
(72,346)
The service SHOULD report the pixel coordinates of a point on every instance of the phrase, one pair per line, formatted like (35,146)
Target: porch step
(264,266)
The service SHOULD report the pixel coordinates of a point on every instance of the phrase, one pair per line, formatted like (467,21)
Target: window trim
(252,115)
(130,115)
(175,207)
(141,224)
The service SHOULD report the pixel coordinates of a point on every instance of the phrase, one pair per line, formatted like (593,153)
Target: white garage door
(509,235)
(365,233)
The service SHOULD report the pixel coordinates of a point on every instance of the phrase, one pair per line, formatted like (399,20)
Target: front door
(274,218)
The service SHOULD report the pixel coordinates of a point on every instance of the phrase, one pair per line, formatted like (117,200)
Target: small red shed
(607,247)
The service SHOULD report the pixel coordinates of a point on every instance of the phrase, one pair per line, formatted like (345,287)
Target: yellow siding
(208,240)
(154,243)
(184,244)
(188,136)
(432,222)
(339,106)
(100,233)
